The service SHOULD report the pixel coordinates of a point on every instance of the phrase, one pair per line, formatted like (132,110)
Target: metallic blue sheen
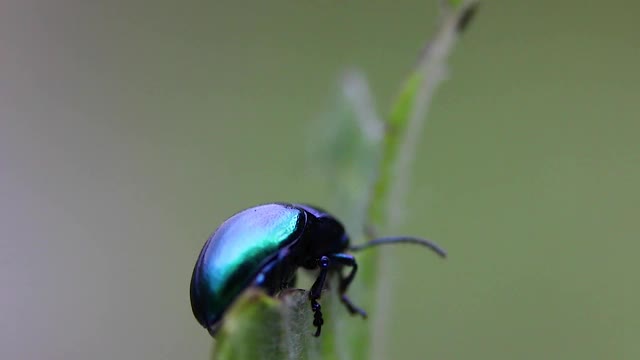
(236,253)
(264,246)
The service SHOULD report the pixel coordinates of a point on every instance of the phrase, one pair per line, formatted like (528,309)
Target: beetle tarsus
(316,290)
(351,307)
(318,321)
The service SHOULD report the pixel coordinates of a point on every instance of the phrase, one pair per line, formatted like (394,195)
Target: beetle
(263,246)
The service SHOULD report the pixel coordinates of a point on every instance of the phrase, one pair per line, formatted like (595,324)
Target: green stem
(404,129)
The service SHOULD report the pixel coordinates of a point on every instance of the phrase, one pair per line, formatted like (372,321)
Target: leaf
(264,328)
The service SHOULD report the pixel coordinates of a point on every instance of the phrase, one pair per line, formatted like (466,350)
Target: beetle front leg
(316,291)
(348,260)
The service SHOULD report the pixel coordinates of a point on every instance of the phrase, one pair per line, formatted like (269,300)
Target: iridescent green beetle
(264,246)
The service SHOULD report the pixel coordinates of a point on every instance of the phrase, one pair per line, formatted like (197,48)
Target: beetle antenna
(401,240)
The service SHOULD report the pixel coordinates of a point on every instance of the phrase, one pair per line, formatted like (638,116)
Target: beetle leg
(316,290)
(263,279)
(348,260)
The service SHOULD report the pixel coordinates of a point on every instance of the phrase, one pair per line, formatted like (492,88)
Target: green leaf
(255,319)
(264,328)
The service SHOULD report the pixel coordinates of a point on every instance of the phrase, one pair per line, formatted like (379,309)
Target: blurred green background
(130,130)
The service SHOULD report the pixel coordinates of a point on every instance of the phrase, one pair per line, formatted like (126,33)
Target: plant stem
(404,129)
